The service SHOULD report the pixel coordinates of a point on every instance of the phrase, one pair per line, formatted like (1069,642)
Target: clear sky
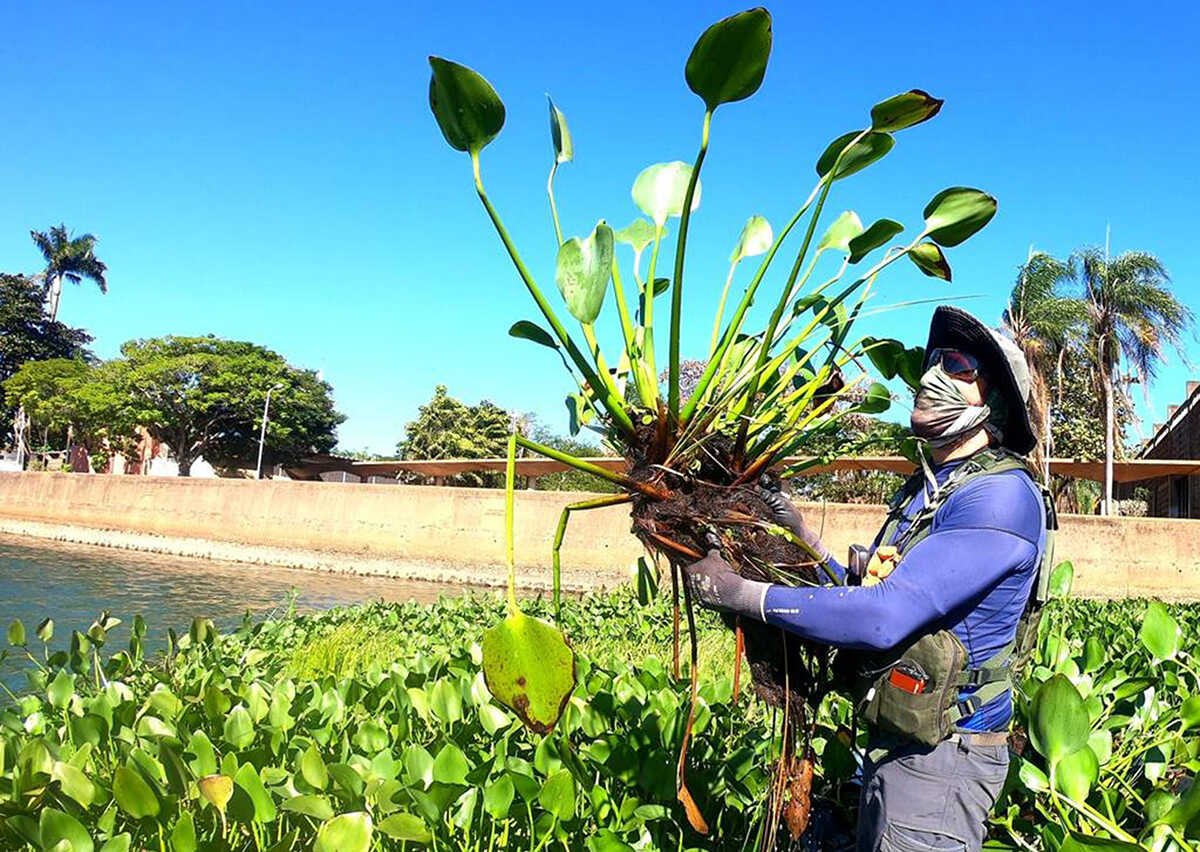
(271,171)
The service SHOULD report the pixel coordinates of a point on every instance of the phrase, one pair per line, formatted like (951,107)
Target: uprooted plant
(765,394)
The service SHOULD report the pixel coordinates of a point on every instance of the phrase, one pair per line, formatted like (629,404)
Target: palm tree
(68,257)
(1131,315)
(1044,324)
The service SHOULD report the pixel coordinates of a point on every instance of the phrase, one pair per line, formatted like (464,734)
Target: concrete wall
(1113,557)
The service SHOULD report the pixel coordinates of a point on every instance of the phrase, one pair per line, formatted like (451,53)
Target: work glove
(716,585)
(788,516)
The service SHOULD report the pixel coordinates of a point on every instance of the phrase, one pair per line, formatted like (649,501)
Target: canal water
(72,584)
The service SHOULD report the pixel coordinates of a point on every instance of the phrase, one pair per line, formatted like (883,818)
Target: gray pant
(921,799)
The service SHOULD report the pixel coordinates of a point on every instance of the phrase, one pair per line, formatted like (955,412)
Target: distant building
(1177,438)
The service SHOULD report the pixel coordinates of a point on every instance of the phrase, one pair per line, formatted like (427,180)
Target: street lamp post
(262,435)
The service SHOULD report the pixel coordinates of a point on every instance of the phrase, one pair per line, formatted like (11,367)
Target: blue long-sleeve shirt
(972,574)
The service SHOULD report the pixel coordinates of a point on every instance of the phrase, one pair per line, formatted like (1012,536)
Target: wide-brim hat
(1002,361)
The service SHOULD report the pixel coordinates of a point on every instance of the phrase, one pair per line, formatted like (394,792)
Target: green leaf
(467,108)
(865,151)
(418,764)
(133,794)
(405,826)
(1094,654)
(879,233)
(497,797)
(930,260)
(729,60)
(183,835)
(205,760)
(661,285)
(904,110)
(55,826)
(844,229)
(558,795)
(582,271)
(371,737)
(527,330)
(45,630)
(317,807)
(1160,632)
(16,634)
(639,233)
(877,400)
(1032,777)
(446,701)
(529,668)
(954,214)
(1189,712)
(346,833)
(61,689)
(239,728)
(312,768)
(1077,772)
(76,785)
(1062,578)
(1077,842)
(216,790)
(564,148)
(659,190)
(248,780)
(756,238)
(1058,721)
(451,766)
(121,843)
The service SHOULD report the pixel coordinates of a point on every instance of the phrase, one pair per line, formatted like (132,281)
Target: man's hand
(788,516)
(717,586)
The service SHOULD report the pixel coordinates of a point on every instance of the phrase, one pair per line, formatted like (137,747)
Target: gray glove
(717,586)
(788,516)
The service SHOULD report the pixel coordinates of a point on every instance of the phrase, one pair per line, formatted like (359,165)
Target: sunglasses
(958,365)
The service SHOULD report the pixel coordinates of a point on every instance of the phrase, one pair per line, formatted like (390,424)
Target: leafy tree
(204,396)
(72,258)
(446,428)
(27,334)
(570,479)
(1132,315)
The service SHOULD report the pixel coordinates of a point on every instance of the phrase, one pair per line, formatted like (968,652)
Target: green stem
(612,404)
(589,336)
(510,477)
(677,284)
(644,390)
(588,467)
(553,206)
(561,531)
(648,309)
(712,347)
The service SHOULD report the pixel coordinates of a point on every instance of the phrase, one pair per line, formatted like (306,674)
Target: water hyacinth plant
(764,393)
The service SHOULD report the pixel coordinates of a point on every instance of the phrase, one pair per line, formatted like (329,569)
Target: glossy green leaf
(954,214)
(862,153)
(55,826)
(530,669)
(877,234)
(238,730)
(1062,578)
(639,233)
(1032,777)
(1101,744)
(204,761)
(1077,842)
(183,835)
(659,190)
(930,260)
(1094,654)
(371,736)
(876,401)
(61,689)
(904,110)
(498,796)
(756,238)
(248,781)
(446,701)
(729,60)
(1076,773)
(45,630)
(16,633)
(1059,721)
(75,784)
(558,795)
(312,768)
(1189,712)
(121,843)
(317,807)
(527,330)
(404,826)
(216,790)
(582,271)
(418,764)
(467,108)
(893,359)
(133,795)
(560,135)
(1160,632)
(844,229)
(451,765)
(346,833)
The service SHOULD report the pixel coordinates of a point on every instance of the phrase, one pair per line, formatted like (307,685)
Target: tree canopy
(447,428)
(69,257)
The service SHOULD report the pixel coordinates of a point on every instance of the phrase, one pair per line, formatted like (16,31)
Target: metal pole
(262,435)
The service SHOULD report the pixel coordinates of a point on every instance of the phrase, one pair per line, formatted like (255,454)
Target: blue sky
(271,171)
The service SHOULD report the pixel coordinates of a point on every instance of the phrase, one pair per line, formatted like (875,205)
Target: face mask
(941,414)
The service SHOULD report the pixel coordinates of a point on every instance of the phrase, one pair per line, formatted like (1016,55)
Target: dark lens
(958,363)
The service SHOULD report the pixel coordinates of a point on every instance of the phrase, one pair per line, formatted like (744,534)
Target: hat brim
(954,328)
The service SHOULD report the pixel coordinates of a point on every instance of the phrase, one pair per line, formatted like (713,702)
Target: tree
(446,428)
(570,479)
(27,334)
(72,258)
(1045,324)
(204,396)
(1132,315)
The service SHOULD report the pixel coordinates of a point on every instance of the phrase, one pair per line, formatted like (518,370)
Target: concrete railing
(1113,557)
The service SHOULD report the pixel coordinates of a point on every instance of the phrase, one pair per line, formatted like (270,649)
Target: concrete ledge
(322,525)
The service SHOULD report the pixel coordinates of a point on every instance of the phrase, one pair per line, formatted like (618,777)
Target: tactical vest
(918,690)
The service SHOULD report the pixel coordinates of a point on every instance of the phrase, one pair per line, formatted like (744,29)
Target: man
(951,571)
